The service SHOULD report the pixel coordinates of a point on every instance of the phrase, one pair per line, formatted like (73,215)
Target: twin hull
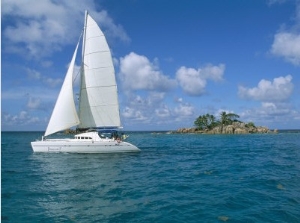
(73,146)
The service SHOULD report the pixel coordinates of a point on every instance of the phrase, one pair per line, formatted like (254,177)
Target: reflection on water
(78,184)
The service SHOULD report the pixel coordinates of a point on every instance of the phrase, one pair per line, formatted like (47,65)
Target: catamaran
(98,102)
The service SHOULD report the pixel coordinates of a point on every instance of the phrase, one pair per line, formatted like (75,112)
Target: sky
(174,60)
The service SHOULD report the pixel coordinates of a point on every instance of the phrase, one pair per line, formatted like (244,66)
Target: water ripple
(176,178)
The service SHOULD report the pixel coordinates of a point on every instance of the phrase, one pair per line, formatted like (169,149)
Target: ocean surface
(175,178)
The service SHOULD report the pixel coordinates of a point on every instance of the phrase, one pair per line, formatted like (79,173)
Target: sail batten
(98,106)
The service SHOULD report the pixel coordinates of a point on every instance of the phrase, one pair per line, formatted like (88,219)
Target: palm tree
(224,118)
(205,121)
(214,122)
(232,117)
(200,122)
(250,124)
(211,121)
(227,119)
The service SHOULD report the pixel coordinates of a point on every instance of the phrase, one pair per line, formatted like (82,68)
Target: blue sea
(175,178)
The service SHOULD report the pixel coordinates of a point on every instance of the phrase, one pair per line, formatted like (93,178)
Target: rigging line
(74,79)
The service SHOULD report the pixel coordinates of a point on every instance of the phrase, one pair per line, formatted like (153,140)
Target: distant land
(227,124)
(234,128)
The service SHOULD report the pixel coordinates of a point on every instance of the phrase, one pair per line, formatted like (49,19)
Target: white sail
(98,103)
(64,114)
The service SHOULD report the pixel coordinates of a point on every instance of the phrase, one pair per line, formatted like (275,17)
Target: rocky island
(228,124)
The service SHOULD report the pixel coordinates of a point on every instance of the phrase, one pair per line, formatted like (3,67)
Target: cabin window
(83,137)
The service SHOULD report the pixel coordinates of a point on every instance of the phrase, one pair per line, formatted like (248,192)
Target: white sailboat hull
(73,146)
(98,101)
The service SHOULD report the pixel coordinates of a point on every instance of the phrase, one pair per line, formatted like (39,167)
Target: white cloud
(23,118)
(179,100)
(138,73)
(33,74)
(183,114)
(112,30)
(272,2)
(184,110)
(193,81)
(133,114)
(278,109)
(51,82)
(152,99)
(143,109)
(287,45)
(33,103)
(273,115)
(286,42)
(23,92)
(163,112)
(153,110)
(279,90)
(38,31)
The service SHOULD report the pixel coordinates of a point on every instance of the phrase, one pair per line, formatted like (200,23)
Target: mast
(84,34)
(82,80)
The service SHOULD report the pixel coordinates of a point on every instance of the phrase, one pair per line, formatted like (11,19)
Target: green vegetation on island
(227,124)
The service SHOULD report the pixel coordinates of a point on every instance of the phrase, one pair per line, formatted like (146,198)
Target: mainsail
(98,101)
(64,114)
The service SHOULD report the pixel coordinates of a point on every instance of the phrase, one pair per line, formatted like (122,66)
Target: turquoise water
(176,178)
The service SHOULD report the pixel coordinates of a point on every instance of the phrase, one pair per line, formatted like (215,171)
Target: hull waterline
(65,146)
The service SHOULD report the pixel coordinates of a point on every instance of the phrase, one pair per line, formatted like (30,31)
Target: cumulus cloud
(152,99)
(44,28)
(287,45)
(138,73)
(143,109)
(278,109)
(23,118)
(193,81)
(155,111)
(163,112)
(286,42)
(184,110)
(133,114)
(273,115)
(279,90)
(111,28)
